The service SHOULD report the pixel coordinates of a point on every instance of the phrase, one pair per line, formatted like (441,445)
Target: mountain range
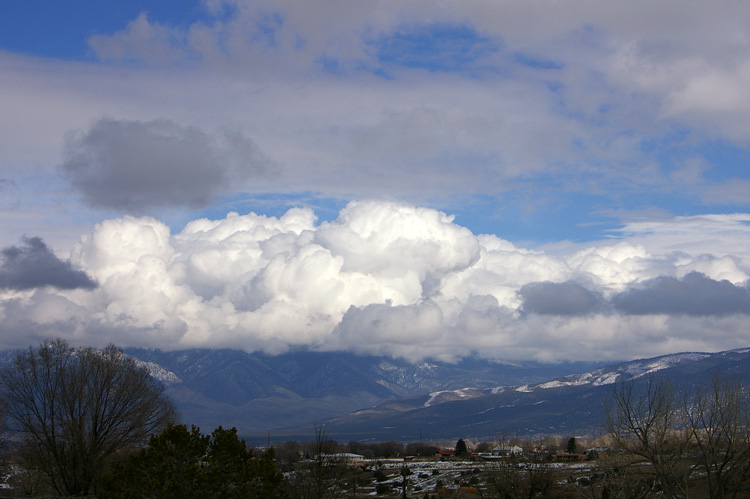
(294,392)
(365,398)
(378,398)
(570,405)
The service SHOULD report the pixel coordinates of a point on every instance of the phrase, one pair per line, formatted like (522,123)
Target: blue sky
(61,29)
(604,146)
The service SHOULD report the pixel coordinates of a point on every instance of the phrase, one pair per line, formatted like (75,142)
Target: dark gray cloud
(33,265)
(695,294)
(559,298)
(134,165)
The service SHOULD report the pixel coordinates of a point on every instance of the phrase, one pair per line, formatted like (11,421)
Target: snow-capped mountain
(158,372)
(620,372)
(566,405)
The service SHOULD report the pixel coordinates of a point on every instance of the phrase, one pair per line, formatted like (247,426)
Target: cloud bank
(559,298)
(695,294)
(385,278)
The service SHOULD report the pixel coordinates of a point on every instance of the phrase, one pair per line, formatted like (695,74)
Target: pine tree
(186,464)
(461,448)
(572,447)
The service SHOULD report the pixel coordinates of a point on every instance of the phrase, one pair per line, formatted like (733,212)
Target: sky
(510,180)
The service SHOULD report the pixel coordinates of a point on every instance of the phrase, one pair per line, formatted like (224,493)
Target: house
(344,457)
(503,450)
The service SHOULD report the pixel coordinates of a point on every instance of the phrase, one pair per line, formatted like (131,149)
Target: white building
(507,450)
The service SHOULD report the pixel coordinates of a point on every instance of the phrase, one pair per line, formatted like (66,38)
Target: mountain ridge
(381,398)
(259,393)
(571,404)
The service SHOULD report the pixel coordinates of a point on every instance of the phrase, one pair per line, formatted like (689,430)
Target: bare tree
(718,420)
(322,463)
(2,423)
(76,407)
(511,480)
(3,444)
(618,475)
(504,479)
(650,424)
(323,473)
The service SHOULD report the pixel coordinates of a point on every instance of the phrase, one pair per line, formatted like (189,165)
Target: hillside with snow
(567,405)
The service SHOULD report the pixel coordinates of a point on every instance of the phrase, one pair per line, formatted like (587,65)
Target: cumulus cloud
(694,294)
(386,278)
(34,265)
(414,241)
(407,331)
(135,165)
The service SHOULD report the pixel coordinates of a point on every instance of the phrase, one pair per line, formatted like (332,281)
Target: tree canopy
(182,463)
(75,408)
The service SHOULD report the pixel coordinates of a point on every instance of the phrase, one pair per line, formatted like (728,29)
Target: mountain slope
(260,393)
(569,405)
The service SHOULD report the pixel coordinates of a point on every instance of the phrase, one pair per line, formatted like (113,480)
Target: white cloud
(383,278)
(406,240)
(696,237)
